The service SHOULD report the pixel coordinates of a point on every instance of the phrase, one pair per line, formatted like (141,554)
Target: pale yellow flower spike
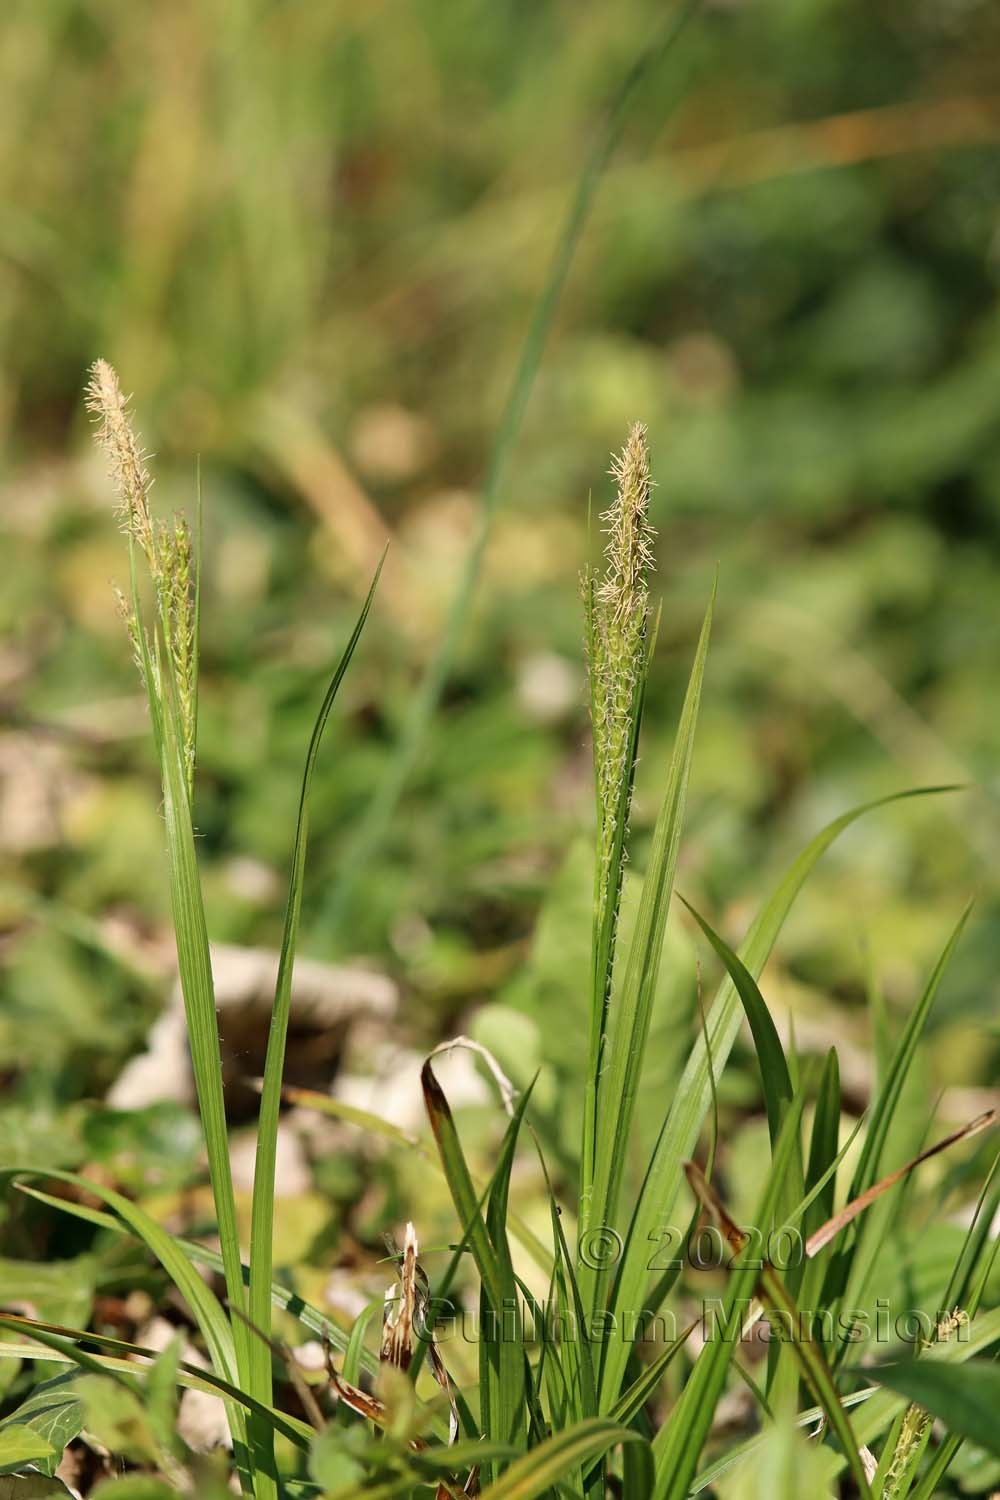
(126,458)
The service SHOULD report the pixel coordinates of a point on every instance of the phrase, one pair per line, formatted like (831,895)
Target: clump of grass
(576,1412)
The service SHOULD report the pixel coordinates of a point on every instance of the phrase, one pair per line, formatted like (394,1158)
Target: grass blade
(205,1307)
(775,1076)
(840,1220)
(503,1377)
(680,1440)
(885,1108)
(424,706)
(776,1296)
(874,1410)
(538,1470)
(965,1397)
(852,1266)
(203,1255)
(619,1083)
(62,1341)
(679,1134)
(262,1211)
(325,1104)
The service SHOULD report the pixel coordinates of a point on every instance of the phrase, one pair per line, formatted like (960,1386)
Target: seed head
(168,551)
(125,454)
(629,549)
(618,603)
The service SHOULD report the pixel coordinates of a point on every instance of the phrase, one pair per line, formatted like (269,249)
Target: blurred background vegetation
(310,236)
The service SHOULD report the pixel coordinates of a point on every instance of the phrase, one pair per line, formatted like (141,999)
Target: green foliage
(805,318)
(54,1414)
(558,1404)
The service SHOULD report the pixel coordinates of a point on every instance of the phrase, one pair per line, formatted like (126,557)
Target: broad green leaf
(34,1487)
(61,1290)
(786,1466)
(877,1412)
(21,1445)
(117,1418)
(335,1458)
(966,1398)
(52,1410)
(872,1410)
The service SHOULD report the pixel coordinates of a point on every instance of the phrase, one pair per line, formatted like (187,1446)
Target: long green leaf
(777,1084)
(325,1104)
(463,1193)
(966,1398)
(870,1158)
(873,1410)
(634,1398)
(679,1133)
(851,1270)
(195,972)
(203,1255)
(504,1377)
(208,1314)
(505,1383)
(262,1212)
(62,1342)
(775,1076)
(619,1081)
(679,1442)
(558,1455)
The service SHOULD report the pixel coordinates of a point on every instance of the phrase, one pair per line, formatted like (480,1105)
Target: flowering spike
(618,604)
(126,457)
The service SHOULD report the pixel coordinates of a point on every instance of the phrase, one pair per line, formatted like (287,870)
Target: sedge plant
(566,1403)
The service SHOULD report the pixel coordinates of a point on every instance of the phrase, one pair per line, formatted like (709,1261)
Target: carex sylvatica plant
(570,1398)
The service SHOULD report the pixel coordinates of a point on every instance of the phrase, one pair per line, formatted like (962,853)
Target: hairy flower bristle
(132,626)
(618,604)
(169,554)
(916,1420)
(176,587)
(629,549)
(125,454)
